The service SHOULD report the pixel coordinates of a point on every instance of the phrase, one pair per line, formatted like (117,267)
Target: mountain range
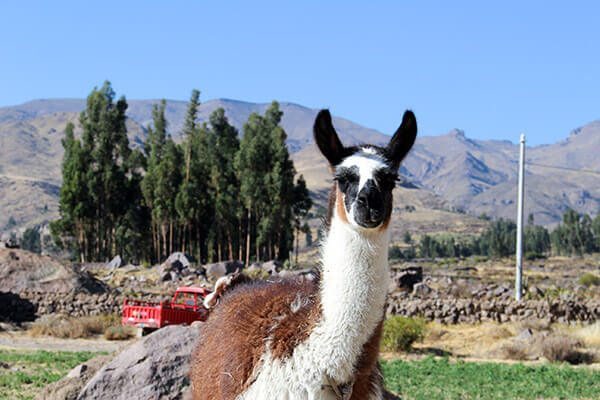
(446,176)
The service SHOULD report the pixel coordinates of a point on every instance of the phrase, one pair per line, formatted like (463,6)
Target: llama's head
(365,175)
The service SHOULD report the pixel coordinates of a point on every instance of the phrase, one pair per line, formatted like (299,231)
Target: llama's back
(279,314)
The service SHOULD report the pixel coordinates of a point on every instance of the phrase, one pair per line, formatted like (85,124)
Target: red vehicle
(185,308)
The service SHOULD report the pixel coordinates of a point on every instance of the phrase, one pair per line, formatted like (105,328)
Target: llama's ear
(327,139)
(403,139)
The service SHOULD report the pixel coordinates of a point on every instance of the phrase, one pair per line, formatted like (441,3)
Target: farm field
(24,373)
(440,378)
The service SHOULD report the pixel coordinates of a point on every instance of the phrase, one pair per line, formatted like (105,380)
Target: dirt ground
(22,341)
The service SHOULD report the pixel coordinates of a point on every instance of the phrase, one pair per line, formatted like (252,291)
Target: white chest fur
(353,291)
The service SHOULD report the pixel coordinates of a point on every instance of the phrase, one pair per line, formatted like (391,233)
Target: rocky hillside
(446,172)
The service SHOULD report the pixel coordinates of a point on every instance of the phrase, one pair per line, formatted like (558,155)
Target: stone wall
(449,310)
(75,304)
(457,310)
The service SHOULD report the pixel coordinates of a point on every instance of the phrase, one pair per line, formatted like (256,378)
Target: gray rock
(526,334)
(115,262)
(272,267)
(421,289)
(155,367)
(220,269)
(78,371)
(178,257)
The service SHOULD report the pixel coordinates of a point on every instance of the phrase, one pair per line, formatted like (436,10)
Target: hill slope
(451,171)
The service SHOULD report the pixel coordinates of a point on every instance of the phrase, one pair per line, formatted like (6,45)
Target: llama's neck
(354,285)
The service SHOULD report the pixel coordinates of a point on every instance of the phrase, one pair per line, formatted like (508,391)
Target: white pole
(519,255)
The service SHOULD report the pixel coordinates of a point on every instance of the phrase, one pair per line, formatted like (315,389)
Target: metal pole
(519,255)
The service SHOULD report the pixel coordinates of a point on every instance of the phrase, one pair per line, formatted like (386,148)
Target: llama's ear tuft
(327,138)
(403,139)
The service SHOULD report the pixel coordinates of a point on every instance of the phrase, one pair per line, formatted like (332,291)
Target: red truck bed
(185,308)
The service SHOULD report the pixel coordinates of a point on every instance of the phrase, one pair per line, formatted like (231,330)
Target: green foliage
(407,238)
(499,239)
(301,205)
(453,380)
(30,371)
(399,333)
(395,253)
(210,196)
(100,180)
(31,240)
(589,279)
(11,223)
(575,235)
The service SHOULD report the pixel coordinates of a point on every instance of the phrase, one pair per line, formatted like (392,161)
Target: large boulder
(174,267)
(156,367)
(115,262)
(407,278)
(220,269)
(24,271)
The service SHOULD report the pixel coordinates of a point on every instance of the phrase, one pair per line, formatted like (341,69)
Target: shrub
(563,348)
(395,253)
(62,326)
(256,273)
(532,256)
(399,333)
(515,351)
(118,333)
(589,279)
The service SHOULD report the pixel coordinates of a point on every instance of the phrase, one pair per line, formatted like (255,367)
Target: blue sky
(491,70)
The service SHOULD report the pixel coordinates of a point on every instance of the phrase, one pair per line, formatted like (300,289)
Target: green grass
(433,379)
(30,371)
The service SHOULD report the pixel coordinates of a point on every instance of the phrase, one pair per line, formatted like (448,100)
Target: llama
(314,339)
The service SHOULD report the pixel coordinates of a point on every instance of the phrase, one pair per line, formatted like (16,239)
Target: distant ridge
(477,176)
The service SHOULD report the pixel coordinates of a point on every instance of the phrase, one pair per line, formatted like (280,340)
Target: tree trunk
(297,245)
(248,238)
(163,229)
(229,245)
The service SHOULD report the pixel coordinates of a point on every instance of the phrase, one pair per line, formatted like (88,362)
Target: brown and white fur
(302,339)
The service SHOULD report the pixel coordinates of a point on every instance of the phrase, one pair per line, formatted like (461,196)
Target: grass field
(25,373)
(434,379)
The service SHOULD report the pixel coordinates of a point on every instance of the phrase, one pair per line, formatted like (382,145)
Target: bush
(65,327)
(532,256)
(256,273)
(395,253)
(118,333)
(399,333)
(563,348)
(515,351)
(589,279)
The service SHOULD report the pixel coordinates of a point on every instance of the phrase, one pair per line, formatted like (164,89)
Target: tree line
(577,234)
(214,196)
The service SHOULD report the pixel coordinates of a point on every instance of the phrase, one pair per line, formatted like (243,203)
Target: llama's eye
(346,179)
